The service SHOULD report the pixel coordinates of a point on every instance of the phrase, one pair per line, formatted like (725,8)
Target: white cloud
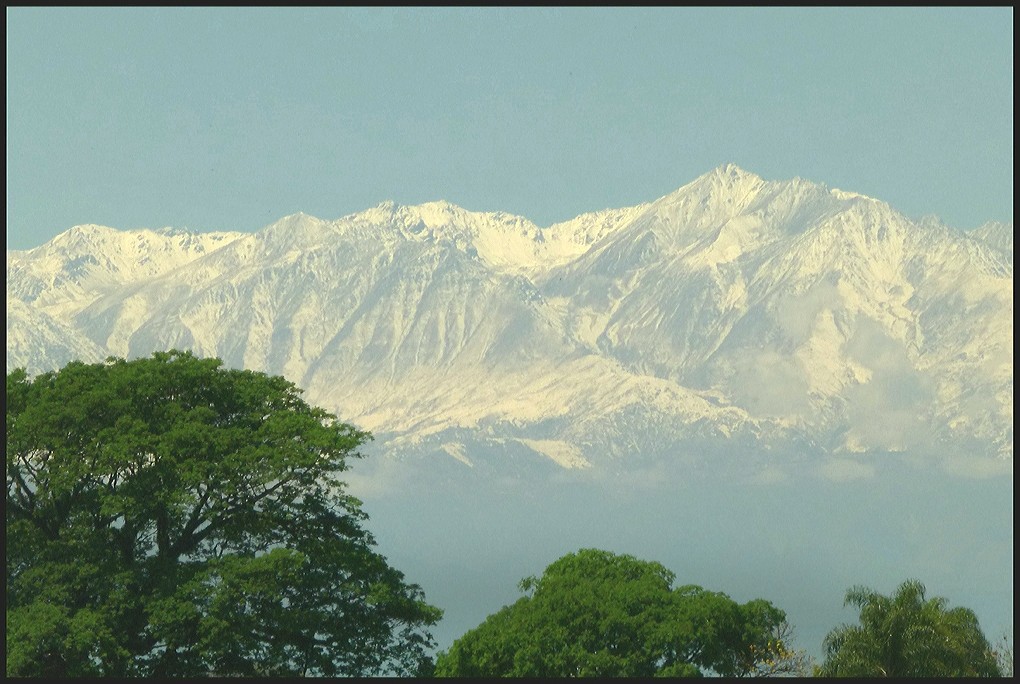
(889,411)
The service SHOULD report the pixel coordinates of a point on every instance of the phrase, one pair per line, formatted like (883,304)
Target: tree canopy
(170,517)
(906,635)
(598,614)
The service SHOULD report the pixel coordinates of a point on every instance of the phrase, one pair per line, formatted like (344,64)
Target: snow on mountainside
(996,234)
(777,315)
(38,342)
(73,269)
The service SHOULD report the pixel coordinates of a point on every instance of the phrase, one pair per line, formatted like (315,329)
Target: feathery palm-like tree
(906,635)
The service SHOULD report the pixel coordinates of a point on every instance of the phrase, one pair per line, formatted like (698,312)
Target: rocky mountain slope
(735,312)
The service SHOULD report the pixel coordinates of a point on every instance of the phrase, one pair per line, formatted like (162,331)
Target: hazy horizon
(467,539)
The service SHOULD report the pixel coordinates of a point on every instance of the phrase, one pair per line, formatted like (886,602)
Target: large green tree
(598,614)
(169,517)
(906,635)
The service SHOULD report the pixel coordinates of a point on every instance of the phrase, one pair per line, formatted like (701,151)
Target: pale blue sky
(228,119)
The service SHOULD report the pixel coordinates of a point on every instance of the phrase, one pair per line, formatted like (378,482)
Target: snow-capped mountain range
(769,315)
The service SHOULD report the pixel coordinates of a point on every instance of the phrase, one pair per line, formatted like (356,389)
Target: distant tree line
(168,517)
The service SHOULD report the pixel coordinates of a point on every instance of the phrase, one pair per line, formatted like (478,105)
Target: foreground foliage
(906,635)
(597,614)
(167,517)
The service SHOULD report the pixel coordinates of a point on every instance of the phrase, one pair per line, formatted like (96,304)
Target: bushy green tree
(598,614)
(169,517)
(906,635)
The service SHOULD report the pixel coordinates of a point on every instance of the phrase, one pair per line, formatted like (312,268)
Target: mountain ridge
(783,311)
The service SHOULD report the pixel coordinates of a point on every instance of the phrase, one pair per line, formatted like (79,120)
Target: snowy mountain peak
(776,315)
(294,233)
(297,219)
(84,234)
(726,188)
(729,176)
(734,173)
(997,234)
